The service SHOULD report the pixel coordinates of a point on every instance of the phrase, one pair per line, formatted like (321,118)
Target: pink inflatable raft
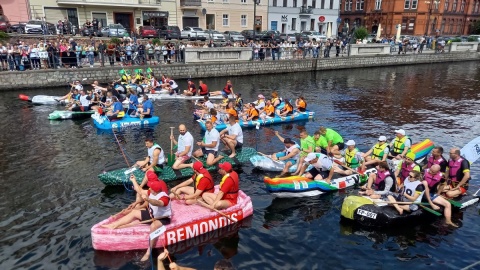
(188,221)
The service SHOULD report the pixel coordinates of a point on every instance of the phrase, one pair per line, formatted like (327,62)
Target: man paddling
(153,162)
(458,174)
(234,139)
(184,148)
(209,145)
(229,186)
(155,208)
(202,182)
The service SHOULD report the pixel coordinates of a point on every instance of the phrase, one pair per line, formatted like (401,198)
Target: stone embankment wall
(53,78)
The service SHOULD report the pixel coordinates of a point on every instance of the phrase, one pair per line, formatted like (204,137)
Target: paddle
(430,210)
(452,202)
(403,203)
(208,207)
(171,157)
(341,164)
(471,151)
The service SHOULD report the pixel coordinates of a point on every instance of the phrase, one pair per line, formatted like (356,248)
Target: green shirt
(306,143)
(332,135)
(321,142)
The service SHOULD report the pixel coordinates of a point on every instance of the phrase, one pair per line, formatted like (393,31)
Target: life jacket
(287,108)
(125,79)
(231,194)
(161,157)
(253,112)
(437,161)
(302,104)
(239,102)
(227,88)
(378,151)
(213,118)
(211,185)
(203,89)
(432,180)
(399,145)
(350,158)
(380,180)
(232,112)
(455,172)
(411,187)
(275,100)
(192,88)
(159,211)
(269,110)
(406,169)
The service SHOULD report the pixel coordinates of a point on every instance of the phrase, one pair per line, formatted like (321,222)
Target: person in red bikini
(229,186)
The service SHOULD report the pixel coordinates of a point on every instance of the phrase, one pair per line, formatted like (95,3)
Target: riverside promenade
(58,77)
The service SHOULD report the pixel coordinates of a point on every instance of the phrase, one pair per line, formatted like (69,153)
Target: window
(378,4)
(475,8)
(241,1)
(411,25)
(210,0)
(285,3)
(274,3)
(414,4)
(225,20)
(454,6)
(442,26)
(314,4)
(357,22)
(446,5)
(225,1)
(407,5)
(294,23)
(304,3)
(243,20)
(331,4)
(360,4)
(294,3)
(462,6)
(450,30)
(348,5)
(323,4)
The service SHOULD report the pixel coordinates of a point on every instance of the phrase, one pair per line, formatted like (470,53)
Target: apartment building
(291,16)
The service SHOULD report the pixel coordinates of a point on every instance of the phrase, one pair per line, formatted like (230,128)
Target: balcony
(190,3)
(115,3)
(306,11)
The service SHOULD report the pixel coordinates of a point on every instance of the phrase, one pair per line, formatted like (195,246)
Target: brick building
(431,17)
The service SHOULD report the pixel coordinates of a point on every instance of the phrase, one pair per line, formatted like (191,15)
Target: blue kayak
(102,122)
(296,116)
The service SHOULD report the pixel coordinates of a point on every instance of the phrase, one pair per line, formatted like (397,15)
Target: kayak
(296,116)
(61,115)
(102,122)
(299,186)
(118,177)
(267,164)
(373,213)
(165,96)
(187,221)
(41,99)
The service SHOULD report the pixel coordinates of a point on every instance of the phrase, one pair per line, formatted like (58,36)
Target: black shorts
(81,108)
(174,90)
(340,145)
(239,145)
(314,172)
(146,216)
(302,109)
(207,152)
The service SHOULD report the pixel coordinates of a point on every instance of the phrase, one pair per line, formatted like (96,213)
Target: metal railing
(306,10)
(190,3)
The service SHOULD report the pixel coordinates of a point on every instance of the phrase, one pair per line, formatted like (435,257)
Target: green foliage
(156,41)
(476,28)
(457,39)
(361,33)
(115,40)
(4,36)
(472,39)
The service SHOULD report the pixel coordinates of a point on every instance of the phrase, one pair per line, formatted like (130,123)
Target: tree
(476,28)
(361,33)
(4,36)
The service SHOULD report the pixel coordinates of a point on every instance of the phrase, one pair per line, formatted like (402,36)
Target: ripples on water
(52,197)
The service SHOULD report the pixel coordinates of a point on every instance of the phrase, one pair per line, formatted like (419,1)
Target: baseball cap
(261,96)
(226,166)
(350,142)
(382,139)
(400,131)
(151,176)
(310,157)
(197,166)
(288,140)
(155,185)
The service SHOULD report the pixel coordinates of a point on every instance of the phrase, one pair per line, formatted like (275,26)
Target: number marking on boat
(367,214)
(304,184)
(296,184)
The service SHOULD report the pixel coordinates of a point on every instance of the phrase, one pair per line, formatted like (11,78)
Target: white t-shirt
(212,136)
(209,104)
(185,140)
(84,101)
(79,87)
(323,163)
(236,129)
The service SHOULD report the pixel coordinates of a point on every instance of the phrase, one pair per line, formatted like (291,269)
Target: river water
(52,197)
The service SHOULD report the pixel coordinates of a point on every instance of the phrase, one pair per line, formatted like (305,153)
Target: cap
(261,96)
(288,140)
(151,176)
(400,131)
(382,138)
(410,155)
(350,142)
(155,185)
(310,157)
(226,166)
(197,166)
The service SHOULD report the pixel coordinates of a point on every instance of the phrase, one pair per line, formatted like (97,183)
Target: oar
(431,210)
(345,166)
(171,158)
(207,206)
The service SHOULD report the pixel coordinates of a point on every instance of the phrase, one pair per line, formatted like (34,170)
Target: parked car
(315,35)
(288,37)
(148,32)
(249,34)
(18,28)
(302,36)
(113,30)
(193,33)
(169,32)
(270,36)
(38,26)
(233,36)
(215,35)
(4,24)
(475,36)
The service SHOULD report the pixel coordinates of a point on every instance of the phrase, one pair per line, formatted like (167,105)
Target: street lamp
(430,7)
(255,3)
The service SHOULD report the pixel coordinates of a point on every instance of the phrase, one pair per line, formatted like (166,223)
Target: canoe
(299,186)
(297,116)
(103,123)
(41,99)
(118,177)
(365,212)
(188,221)
(61,115)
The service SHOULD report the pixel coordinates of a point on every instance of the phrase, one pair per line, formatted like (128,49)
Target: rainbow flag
(422,149)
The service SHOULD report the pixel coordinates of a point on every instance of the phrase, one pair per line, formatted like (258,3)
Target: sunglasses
(412,176)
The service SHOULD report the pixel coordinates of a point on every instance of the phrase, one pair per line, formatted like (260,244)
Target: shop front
(156,19)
